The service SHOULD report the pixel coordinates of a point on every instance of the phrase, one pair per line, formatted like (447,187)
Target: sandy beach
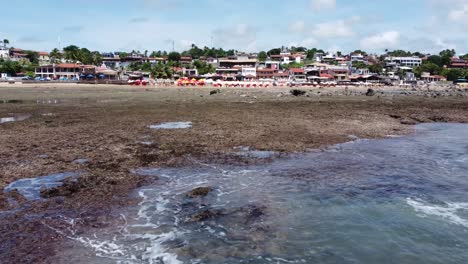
(104,133)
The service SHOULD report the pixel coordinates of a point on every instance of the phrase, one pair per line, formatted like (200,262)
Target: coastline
(108,126)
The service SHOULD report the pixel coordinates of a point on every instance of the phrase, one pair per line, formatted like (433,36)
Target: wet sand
(103,133)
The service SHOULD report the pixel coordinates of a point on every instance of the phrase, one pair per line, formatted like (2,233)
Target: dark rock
(199,192)
(297,92)
(217,91)
(438,119)
(370,92)
(406,121)
(205,215)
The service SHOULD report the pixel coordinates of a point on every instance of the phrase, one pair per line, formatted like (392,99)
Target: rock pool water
(397,200)
(14,118)
(31,188)
(172,125)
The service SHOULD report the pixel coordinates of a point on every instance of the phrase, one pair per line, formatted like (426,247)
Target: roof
(296,70)
(325,75)
(67,65)
(266,70)
(20,54)
(240,61)
(43,53)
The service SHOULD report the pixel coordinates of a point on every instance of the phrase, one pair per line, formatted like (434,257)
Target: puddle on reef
(14,118)
(172,125)
(31,188)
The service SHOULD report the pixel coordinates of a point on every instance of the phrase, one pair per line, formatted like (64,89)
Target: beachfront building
(266,73)
(65,70)
(231,68)
(403,61)
(427,77)
(189,72)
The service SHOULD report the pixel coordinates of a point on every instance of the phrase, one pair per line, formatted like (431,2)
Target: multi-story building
(357,57)
(230,68)
(249,72)
(459,63)
(63,70)
(403,61)
(44,58)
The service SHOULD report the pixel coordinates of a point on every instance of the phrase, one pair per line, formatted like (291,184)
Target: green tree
(376,68)
(359,65)
(72,53)
(448,53)
(453,74)
(399,53)
(276,51)
(292,65)
(96,58)
(32,56)
(203,67)
(435,59)
(161,71)
(55,55)
(262,56)
(429,67)
(10,67)
(359,52)
(311,53)
(174,56)
(447,56)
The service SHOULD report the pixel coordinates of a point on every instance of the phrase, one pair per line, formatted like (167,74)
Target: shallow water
(172,125)
(31,188)
(14,118)
(397,200)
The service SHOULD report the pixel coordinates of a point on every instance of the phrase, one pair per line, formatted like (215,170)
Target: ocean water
(395,200)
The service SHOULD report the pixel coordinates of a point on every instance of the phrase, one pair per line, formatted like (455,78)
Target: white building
(403,61)
(4,52)
(357,57)
(250,72)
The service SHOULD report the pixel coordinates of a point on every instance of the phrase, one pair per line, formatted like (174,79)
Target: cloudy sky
(248,25)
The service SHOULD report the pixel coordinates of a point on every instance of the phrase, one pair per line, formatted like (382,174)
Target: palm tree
(55,55)
(5,43)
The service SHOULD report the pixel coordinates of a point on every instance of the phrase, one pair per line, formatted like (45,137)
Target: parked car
(27,78)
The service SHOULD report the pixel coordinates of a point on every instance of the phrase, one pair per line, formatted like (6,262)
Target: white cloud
(298,26)
(333,29)
(459,15)
(323,4)
(389,39)
(308,43)
(240,35)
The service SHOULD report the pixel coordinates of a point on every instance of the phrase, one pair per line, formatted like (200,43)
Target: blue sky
(248,25)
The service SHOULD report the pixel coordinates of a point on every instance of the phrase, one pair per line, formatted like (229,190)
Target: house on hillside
(458,63)
(44,58)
